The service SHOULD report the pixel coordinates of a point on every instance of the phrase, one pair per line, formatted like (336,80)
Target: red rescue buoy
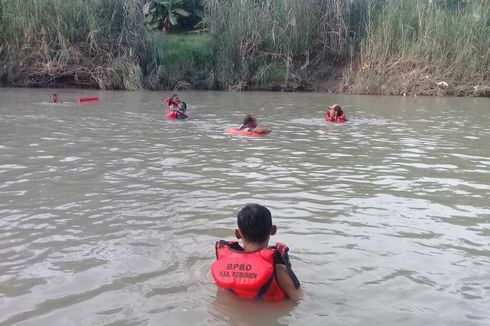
(87,99)
(246,132)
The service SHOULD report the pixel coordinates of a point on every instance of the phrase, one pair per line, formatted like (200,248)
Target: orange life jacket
(248,274)
(171,115)
(340,118)
(176,115)
(169,102)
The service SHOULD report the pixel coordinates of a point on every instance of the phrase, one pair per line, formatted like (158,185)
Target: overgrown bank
(92,43)
(354,46)
(410,46)
(379,46)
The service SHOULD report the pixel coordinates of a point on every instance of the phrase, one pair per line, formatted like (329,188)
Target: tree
(160,14)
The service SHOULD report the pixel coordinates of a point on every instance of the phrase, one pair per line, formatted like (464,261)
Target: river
(109,213)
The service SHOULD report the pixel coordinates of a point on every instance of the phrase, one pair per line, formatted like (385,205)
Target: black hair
(255,223)
(248,118)
(338,110)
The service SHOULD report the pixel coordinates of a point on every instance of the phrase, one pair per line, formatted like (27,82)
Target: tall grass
(93,43)
(181,61)
(381,46)
(388,46)
(264,41)
(413,44)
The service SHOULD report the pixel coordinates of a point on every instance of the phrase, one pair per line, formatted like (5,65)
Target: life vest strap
(219,244)
(282,248)
(263,290)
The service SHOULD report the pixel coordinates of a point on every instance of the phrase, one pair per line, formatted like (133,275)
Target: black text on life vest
(240,267)
(234,270)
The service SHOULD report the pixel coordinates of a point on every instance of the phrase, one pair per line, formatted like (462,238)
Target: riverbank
(383,47)
(70,43)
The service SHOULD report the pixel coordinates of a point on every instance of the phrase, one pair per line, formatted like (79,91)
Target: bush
(92,43)
(182,61)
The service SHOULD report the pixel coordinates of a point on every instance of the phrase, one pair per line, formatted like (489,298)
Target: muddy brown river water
(109,213)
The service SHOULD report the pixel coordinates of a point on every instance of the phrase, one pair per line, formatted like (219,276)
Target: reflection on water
(109,213)
(227,309)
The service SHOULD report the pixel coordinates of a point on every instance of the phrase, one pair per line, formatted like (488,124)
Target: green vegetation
(411,45)
(161,14)
(382,46)
(91,43)
(356,46)
(267,42)
(182,61)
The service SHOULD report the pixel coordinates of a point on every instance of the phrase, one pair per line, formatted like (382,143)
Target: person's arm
(285,276)
(286,283)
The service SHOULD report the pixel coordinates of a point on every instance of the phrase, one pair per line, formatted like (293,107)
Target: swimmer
(249,122)
(181,112)
(53,98)
(254,269)
(172,102)
(250,125)
(335,114)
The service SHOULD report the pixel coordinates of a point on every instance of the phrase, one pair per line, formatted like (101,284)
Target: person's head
(174,99)
(335,109)
(54,98)
(250,121)
(182,107)
(255,224)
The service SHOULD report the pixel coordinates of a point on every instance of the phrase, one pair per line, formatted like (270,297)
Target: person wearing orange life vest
(177,108)
(335,114)
(256,270)
(250,125)
(180,113)
(172,102)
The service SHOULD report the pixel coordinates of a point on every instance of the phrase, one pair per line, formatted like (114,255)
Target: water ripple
(109,212)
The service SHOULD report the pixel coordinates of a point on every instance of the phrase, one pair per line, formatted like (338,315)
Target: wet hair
(248,119)
(337,108)
(183,106)
(255,223)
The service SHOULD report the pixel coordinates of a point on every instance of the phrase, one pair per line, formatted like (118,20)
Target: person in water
(172,102)
(249,122)
(335,114)
(249,126)
(54,98)
(181,112)
(255,270)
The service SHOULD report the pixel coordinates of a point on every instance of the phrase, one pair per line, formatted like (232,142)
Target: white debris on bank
(442,84)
